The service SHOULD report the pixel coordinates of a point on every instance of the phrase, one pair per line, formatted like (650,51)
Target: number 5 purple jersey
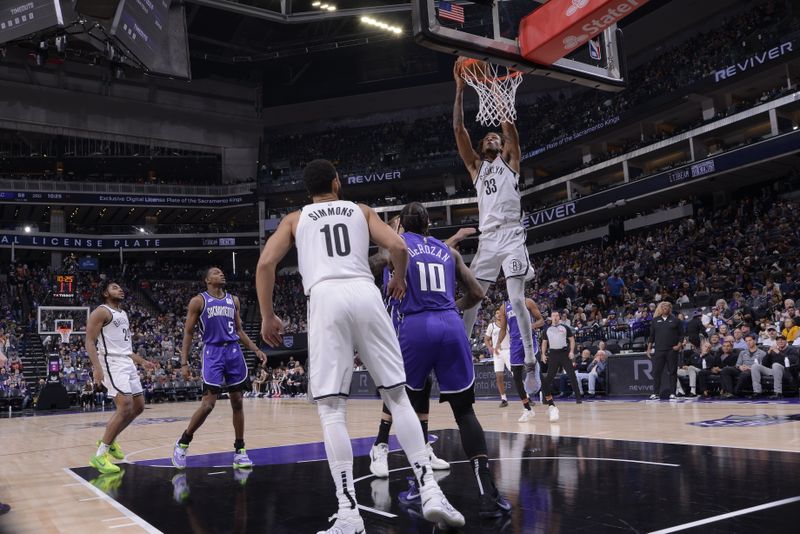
(431,278)
(218,319)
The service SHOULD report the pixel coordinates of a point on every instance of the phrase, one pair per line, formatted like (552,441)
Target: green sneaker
(104,464)
(114,450)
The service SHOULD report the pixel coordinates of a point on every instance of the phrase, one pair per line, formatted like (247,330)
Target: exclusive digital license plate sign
(19,18)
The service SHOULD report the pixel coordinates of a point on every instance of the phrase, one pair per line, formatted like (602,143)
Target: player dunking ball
(108,343)
(216,312)
(346,311)
(494,170)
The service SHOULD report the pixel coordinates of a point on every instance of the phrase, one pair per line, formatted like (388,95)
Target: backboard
(49,318)
(491,32)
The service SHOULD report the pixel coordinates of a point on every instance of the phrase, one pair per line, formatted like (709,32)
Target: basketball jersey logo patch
(516,266)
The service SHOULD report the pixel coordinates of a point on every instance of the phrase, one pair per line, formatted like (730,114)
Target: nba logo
(594,49)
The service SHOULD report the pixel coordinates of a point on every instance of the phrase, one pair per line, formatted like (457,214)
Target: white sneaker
(437,464)
(526,415)
(552,411)
(378,460)
(654,397)
(438,510)
(352,524)
(672,397)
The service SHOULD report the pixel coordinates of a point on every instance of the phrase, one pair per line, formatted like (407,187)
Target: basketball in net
(496,87)
(64,332)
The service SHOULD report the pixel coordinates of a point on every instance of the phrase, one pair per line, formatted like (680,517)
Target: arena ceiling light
(382,25)
(325,6)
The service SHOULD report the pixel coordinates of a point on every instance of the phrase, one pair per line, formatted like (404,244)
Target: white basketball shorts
(346,316)
(502,360)
(120,375)
(502,248)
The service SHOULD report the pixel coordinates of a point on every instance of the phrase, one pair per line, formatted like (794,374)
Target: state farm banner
(560,26)
(373,177)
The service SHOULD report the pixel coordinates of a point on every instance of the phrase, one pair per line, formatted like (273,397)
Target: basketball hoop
(497,90)
(64,332)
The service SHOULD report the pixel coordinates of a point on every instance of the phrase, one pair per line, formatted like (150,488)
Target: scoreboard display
(65,286)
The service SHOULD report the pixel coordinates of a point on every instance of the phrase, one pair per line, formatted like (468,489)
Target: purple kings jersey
(392,305)
(431,276)
(514,333)
(218,320)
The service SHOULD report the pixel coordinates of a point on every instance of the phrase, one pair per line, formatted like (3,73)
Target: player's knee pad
(332,410)
(472,436)
(420,400)
(461,403)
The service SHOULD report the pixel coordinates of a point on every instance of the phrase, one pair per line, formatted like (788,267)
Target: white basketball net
(497,91)
(64,332)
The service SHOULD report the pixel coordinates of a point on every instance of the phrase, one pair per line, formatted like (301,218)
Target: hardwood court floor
(46,495)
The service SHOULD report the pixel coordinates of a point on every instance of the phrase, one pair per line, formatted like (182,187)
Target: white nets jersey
(332,243)
(498,194)
(115,336)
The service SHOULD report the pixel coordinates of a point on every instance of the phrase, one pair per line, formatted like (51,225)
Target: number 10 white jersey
(332,240)
(498,194)
(115,336)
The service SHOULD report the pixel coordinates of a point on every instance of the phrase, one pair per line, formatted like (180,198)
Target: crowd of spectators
(417,143)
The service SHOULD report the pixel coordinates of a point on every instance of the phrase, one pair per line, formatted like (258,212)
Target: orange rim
(511,72)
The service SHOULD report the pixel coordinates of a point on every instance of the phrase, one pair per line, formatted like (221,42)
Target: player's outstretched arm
(98,318)
(274,251)
(460,236)
(382,235)
(473,292)
(536,314)
(192,316)
(468,155)
(243,337)
(147,364)
(511,150)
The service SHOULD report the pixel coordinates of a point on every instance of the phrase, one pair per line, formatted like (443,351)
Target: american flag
(451,11)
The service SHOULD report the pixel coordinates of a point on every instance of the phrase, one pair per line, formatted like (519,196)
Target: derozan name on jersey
(612,16)
(333,210)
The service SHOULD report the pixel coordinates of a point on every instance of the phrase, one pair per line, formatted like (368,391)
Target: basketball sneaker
(526,416)
(379,460)
(654,397)
(349,524)
(179,455)
(437,464)
(493,505)
(411,494)
(503,403)
(552,411)
(241,460)
(114,450)
(438,510)
(103,464)
(180,488)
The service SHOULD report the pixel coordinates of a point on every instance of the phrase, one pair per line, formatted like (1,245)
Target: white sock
(102,449)
(503,397)
(408,432)
(332,414)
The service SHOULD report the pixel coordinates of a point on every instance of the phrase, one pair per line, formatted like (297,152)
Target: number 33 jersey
(498,194)
(115,336)
(332,240)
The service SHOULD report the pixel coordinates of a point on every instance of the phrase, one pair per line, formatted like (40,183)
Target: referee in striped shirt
(558,350)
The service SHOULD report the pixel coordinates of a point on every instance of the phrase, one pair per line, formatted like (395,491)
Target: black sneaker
(493,506)
(755,395)
(503,403)
(776,396)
